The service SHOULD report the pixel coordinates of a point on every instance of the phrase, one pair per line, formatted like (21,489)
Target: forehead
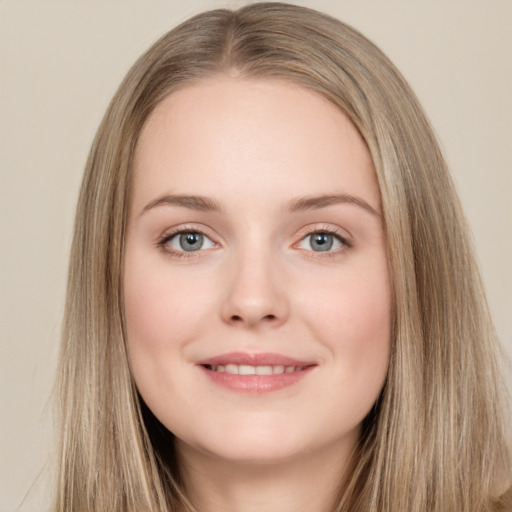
(225,135)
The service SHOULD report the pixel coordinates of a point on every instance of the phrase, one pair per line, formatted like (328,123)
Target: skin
(258,285)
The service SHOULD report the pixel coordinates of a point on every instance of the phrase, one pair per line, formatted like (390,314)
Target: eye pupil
(321,241)
(191,241)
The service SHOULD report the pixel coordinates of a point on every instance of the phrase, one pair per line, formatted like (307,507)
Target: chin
(255,444)
(248,452)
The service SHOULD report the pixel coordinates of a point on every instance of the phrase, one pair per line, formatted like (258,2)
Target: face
(256,284)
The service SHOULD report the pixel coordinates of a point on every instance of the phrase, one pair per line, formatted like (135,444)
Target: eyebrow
(206,204)
(200,203)
(323,201)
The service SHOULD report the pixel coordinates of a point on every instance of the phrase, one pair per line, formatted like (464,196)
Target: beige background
(60,63)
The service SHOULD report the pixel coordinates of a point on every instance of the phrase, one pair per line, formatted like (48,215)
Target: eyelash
(346,244)
(163,241)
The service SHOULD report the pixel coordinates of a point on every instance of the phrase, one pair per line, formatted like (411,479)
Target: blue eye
(321,241)
(189,241)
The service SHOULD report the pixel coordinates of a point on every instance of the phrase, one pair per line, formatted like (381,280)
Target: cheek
(352,318)
(149,310)
(159,320)
(160,303)
(353,305)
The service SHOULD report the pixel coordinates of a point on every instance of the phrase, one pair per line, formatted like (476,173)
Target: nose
(255,294)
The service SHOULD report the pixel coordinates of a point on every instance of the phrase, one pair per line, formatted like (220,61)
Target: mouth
(255,373)
(244,369)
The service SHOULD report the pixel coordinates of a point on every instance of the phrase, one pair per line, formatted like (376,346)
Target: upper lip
(262,359)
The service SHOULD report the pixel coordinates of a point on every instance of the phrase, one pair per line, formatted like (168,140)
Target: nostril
(238,318)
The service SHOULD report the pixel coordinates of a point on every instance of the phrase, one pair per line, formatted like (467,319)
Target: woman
(272,301)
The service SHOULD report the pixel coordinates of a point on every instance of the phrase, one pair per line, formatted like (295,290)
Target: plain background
(60,63)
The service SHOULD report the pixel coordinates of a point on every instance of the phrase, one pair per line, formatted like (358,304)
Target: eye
(322,241)
(187,241)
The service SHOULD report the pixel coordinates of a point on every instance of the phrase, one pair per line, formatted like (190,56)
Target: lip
(254,359)
(255,384)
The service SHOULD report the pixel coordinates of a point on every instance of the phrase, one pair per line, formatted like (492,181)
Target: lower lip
(256,384)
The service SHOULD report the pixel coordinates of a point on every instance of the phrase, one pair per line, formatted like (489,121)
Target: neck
(309,483)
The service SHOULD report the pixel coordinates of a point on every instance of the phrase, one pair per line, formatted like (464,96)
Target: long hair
(436,439)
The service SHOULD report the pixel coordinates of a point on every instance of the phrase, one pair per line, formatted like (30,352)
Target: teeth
(263,370)
(244,369)
(232,368)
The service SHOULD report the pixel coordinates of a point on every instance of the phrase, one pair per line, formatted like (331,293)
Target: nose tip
(255,298)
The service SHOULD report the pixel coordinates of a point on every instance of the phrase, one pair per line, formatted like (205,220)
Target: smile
(255,373)
(244,369)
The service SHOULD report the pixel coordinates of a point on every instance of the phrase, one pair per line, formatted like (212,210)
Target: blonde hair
(435,440)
